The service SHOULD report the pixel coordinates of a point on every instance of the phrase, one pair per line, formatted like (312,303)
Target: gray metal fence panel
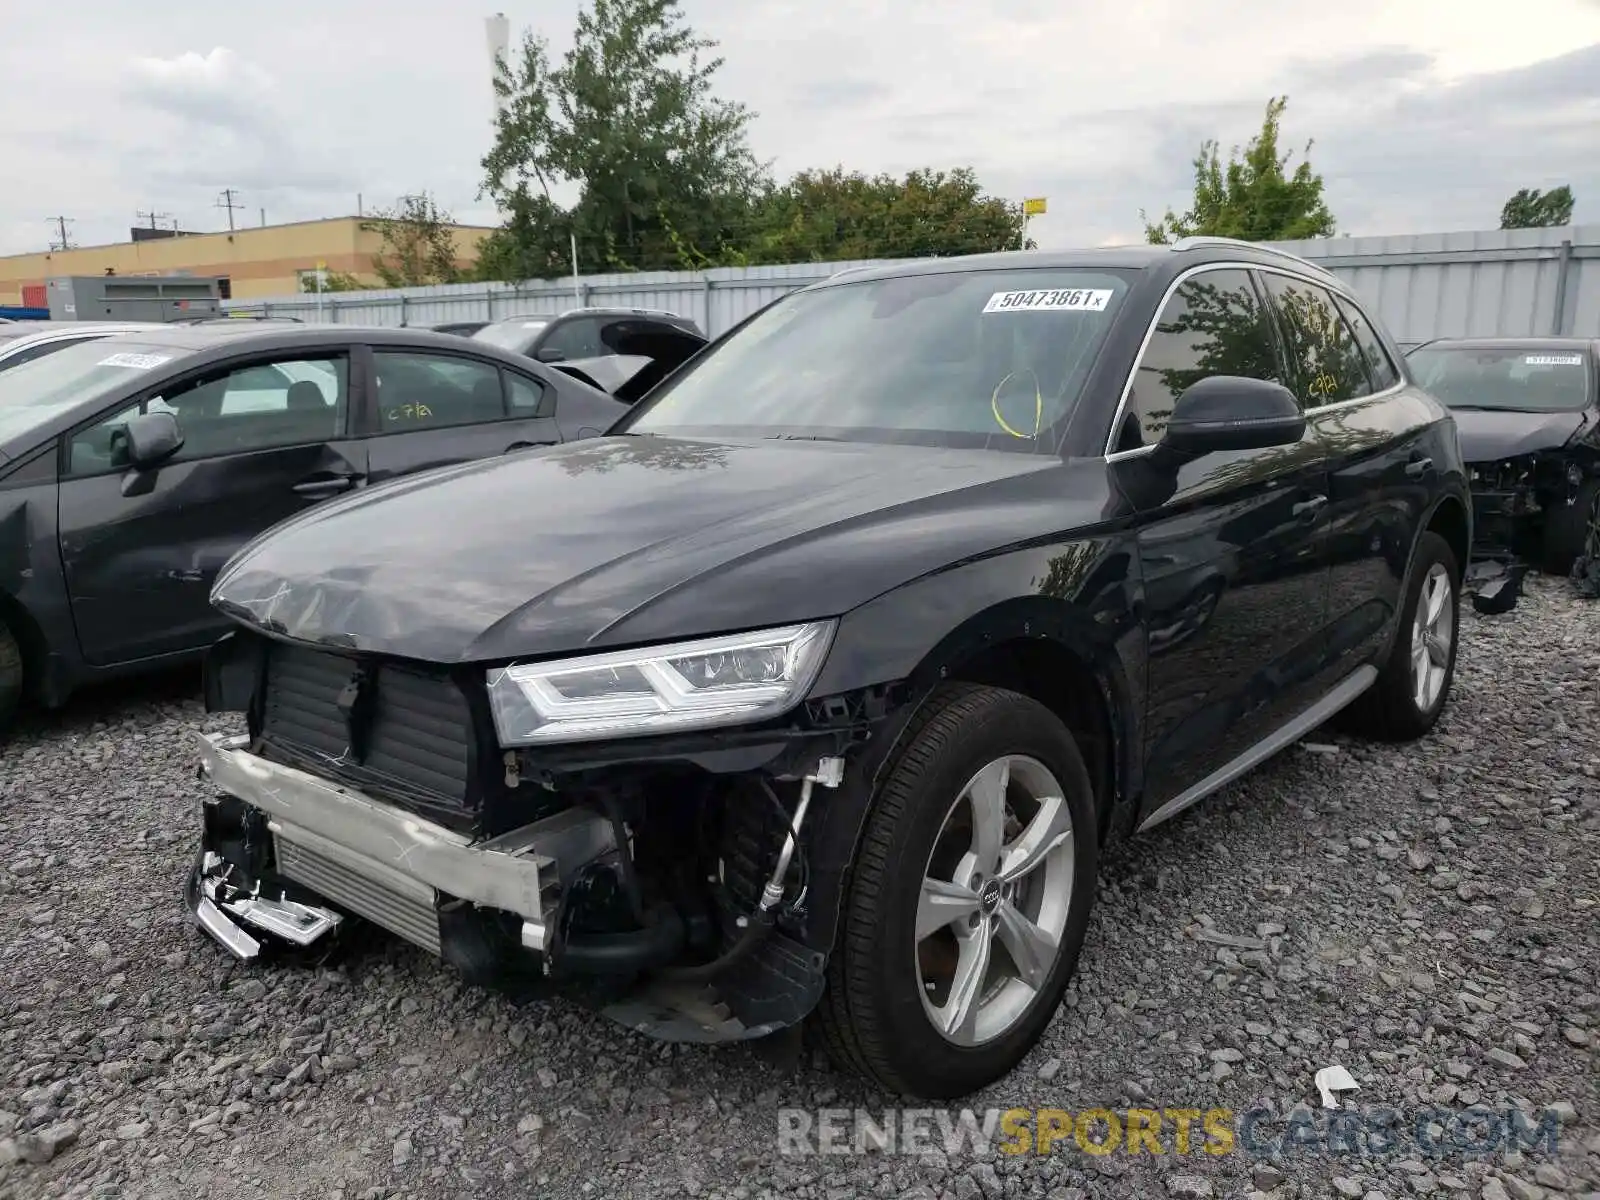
(1498,282)
(1491,282)
(717,299)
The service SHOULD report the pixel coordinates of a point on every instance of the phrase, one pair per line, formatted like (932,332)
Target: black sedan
(131,468)
(817,686)
(1528,410)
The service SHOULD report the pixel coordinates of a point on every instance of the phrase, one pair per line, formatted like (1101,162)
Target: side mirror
(1229,412)
(550,354)
(149,439)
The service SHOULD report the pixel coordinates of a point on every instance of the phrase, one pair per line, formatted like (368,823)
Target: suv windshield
(512,335)
(40,390)
(1521,380)
(991,359)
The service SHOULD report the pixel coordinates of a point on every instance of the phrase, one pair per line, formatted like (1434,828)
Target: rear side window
(1328,364)
(577,338)
(435,391)
(1379,365)
(1213,324)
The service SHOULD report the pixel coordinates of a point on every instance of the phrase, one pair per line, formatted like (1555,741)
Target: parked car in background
(817,687)
(585,333)
(1528,410)
(27,340)
(131,469)
(459,328)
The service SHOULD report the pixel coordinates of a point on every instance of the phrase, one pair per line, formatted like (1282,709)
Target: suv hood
(1491,435)
(634,539)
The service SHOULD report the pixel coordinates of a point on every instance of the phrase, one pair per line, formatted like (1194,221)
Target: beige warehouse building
(268,260)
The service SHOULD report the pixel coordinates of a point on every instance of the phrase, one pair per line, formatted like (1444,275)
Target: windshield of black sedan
(1518,380)
(38,391)
(991,359)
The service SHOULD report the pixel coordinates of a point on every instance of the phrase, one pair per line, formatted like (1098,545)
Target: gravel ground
(1428,916)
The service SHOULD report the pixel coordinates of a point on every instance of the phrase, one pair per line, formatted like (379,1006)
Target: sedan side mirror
(1230,412)
(550,354)
(149,439)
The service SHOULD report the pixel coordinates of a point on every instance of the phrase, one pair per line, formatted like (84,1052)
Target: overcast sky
(1427,114)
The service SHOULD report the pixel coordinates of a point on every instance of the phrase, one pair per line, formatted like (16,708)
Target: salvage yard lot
(1426,915)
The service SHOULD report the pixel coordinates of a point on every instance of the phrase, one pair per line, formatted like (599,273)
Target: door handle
(1418,467)
(326,485)
(1309,507)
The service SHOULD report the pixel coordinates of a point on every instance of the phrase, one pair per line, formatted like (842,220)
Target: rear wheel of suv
(1414,684)
(968,900)
(10,676)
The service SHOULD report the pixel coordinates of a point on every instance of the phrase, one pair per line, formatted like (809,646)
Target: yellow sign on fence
(1033,207)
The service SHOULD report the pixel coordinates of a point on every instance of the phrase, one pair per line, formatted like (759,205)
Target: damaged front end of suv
(493,818)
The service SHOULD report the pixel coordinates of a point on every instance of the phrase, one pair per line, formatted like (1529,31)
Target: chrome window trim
(1183,277)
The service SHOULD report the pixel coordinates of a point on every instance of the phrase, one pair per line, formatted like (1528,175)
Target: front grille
(419,745)
(402,907)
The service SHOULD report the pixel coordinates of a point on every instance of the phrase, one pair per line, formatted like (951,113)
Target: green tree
(629,117)
(1252,198)
(1531,209)
(822,216)
(419,245)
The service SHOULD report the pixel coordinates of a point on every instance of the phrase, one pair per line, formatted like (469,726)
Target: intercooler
(402,906)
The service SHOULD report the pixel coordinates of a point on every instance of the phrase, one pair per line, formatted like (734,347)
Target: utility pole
(154,218)
(61,223)
(228,200)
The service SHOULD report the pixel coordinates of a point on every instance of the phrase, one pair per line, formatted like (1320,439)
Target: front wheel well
(1050,673)
(29,640)
(1449,521)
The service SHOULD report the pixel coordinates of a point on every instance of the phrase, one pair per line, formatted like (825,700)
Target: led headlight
(658,689)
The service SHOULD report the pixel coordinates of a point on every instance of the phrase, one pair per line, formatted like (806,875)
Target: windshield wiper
(799,437)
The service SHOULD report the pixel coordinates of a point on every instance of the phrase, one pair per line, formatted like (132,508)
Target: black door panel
(1384,475)
(1234,595)
(139,569)
(403,453)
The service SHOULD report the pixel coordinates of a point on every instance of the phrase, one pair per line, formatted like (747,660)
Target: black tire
(1567,529)
(1388,710)
(871,1015)
(11,677)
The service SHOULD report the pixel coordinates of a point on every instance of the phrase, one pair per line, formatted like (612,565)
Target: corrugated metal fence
(715,299)
(1496,282)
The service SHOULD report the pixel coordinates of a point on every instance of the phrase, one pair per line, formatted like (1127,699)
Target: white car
(23,341)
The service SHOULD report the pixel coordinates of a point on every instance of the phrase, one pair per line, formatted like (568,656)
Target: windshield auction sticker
(1554,360)
(1051,300)
(139,362)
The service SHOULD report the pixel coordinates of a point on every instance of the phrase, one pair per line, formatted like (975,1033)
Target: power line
(227,199)
(61,223)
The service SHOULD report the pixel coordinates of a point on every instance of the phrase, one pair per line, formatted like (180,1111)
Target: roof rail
(1200,241)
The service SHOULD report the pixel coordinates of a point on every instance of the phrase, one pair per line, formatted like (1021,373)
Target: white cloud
(1426,113)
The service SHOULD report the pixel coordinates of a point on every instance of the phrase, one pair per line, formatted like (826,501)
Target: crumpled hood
(625,540)
(1489,436)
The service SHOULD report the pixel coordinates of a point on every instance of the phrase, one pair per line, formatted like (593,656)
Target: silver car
(23,341)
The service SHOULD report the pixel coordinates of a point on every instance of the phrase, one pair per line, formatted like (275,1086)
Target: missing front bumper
(391,867)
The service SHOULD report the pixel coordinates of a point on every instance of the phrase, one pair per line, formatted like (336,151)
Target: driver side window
(254,407)
(1213,324)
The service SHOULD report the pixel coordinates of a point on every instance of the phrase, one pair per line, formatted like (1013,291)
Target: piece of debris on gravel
(1425,915)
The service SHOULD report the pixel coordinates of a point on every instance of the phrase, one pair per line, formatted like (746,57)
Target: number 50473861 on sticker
(1050,300)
